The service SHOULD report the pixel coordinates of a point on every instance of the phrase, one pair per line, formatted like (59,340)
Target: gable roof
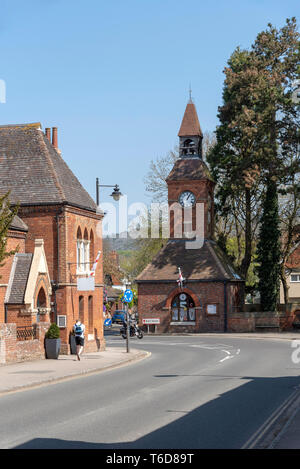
(34,172)
(24,274)
(18,279)
(207,263)
(18,224)
(190,125)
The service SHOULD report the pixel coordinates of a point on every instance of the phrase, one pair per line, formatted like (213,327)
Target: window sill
(183,323)
(83,272)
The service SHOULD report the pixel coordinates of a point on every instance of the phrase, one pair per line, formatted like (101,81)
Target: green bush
(53,332)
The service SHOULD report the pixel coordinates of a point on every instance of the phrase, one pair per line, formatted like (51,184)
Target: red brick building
(56,209)
(211,289)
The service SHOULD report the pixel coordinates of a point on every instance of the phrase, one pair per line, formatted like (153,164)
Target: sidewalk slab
(18,376)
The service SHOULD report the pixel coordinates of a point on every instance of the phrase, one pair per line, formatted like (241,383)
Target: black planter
(52,348)
(73,345)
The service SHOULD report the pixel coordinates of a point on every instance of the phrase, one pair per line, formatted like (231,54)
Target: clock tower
(190,285)
(190,185)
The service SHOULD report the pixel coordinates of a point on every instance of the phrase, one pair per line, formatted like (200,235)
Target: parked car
(119,316)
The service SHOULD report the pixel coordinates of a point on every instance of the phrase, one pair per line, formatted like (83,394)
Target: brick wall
(294,259)
(154,301)
(201,189)
(15,240)
(12,350)
(241,322)
(58,227)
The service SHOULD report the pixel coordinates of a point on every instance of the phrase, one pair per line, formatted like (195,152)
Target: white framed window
(212,309)
(295,278)
(83,255)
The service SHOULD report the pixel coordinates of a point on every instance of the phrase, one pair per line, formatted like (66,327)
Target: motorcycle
(134,330)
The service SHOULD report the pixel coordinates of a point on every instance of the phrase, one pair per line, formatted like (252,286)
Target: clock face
(187,199)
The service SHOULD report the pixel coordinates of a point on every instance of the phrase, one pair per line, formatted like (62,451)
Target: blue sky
(114,75)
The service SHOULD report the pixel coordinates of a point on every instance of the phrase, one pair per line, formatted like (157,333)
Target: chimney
(54,137)
(48,133)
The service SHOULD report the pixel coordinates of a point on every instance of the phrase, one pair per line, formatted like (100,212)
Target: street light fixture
(116,194)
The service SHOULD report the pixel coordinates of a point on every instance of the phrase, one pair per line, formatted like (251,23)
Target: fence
(26,333)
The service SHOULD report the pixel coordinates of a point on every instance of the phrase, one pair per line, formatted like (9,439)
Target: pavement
(25,375)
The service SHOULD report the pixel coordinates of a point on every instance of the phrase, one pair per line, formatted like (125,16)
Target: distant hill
(122,243)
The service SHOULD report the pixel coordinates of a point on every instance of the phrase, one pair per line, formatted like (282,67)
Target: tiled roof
(190,124)
(189,168)
(206,263)
(18,278)
(18,224)
(113,293)
(34,172)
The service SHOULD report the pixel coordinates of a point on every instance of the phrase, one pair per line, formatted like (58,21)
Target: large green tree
(257,118)
(268,250)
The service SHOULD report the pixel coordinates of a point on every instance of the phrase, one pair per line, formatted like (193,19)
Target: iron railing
(26,332)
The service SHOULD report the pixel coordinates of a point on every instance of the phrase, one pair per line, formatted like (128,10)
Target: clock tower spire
(190,133)
(190,183)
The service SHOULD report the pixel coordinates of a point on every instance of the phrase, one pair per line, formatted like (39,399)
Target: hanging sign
(85,283)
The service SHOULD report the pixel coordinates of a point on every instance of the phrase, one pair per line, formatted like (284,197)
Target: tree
(111,269)
(232,160)
(276,57)
(7,214)
(257,117)
(146,248)
(268,250)
(289,214)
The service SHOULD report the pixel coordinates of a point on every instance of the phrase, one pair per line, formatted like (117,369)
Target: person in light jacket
(79,329)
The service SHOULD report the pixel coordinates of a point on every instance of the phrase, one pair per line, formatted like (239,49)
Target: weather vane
(190,92)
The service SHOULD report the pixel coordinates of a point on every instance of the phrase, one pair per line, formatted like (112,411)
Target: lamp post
(116,194)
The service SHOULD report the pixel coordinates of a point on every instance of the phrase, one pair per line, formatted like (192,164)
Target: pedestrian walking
(79,329)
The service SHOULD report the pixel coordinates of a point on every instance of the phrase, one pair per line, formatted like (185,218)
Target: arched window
(189,147)
(41,299)
(183,308)
(90,310)
(81,308)
(41,303)
(83,251)
(92,253)
(79,249)
(86,252)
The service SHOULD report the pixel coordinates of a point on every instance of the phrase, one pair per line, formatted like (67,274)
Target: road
(193,392)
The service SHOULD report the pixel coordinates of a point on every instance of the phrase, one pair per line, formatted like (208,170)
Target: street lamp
(116,194)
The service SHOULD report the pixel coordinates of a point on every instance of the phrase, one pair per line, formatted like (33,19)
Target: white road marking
(228,356)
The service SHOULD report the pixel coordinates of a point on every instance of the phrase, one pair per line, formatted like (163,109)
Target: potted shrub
(52,342)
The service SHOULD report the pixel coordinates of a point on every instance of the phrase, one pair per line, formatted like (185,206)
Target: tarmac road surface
(193,392)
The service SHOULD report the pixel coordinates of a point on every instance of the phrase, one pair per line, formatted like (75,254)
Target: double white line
(262,431)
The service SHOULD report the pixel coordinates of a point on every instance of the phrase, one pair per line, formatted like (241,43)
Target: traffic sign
(151,321)
(128,296)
